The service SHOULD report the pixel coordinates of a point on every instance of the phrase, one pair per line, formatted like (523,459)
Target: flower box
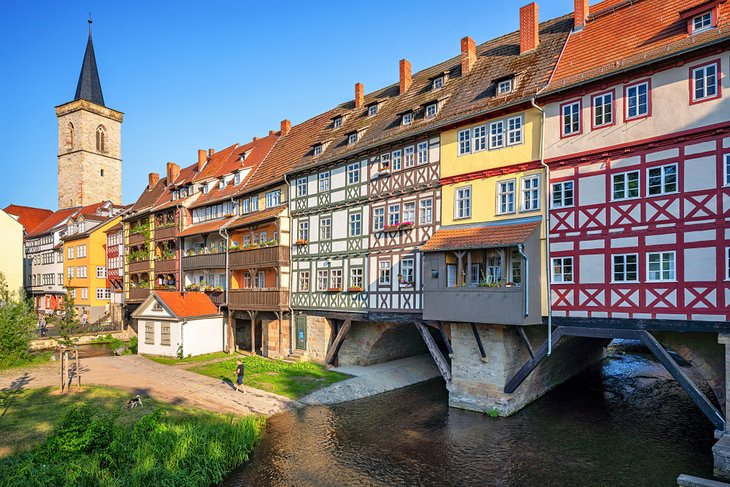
(406,284)
(302,242)
(391,228)
(334,290)
(354,289)
(405,225)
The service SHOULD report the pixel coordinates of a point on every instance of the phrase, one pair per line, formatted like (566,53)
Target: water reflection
(624,423)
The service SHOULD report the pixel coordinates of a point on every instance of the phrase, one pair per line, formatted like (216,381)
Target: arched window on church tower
(70,136)
(101,138)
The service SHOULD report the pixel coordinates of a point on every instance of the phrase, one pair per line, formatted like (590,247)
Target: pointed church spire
(89,86)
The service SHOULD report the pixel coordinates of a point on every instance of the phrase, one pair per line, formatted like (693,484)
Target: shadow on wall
(373,343)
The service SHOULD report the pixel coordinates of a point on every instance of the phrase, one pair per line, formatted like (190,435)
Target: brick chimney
(154,178)
(580,13)
(173,171)
(202,159)
(529,28)
(211,152)
(405,75)
(359,95)
(468,55)
(285,126)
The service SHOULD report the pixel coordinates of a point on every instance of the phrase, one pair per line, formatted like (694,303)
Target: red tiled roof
(621,34)
(216,161)
(28,216)
(256,217)
(49,223)
(479,237)
(188,304)
(205,227)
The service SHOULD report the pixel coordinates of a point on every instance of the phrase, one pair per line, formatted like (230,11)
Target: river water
(623,423)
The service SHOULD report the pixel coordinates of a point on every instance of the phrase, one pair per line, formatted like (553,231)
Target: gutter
(521,250)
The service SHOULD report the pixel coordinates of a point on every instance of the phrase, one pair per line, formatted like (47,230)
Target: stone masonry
(370,343)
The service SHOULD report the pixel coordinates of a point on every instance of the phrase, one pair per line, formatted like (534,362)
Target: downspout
(223,232)
(179,243)
(521,250)
(548,277)
(291,267)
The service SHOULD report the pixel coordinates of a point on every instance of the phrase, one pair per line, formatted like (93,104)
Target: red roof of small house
(28,216)
(479,237)
(619,34)
(187,304)
(49,223)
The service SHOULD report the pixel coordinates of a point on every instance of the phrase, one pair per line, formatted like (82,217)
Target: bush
(17,327)
(133,344)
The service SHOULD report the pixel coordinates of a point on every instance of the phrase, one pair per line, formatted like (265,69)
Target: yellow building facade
(11,258)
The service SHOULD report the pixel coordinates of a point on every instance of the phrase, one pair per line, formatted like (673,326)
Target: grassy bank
(35,358)
(293,380)
(187,360)
(88,438)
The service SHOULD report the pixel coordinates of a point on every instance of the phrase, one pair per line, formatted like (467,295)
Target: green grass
(109,339)
(35,358)
(187,360)
(88,438)
(293,380)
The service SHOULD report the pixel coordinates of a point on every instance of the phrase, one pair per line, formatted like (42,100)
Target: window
(396,161)
(504,86)
(702,22)
(562,269)
(637,100)
(303,281)
(317,150)
(165,333)
(337,122)
(101,172)
(73,293)
(378,218)
(355,224)
(204,188)
(325,228)
(60,278)
(422,152)
(384,272)
(84,293)
(603,110)
(626,185)
(394,215)
(496,134)
(474,275)
(81,251)
(464,141)
(247,205)
(516,267)
(81,271)
(409,156)
(70,272)
(101,272)
(263,237)
(571,118)
(352,138)
(259,280)
(562,194)
(336,277)
(303,231)
(236,178)
(301,187)
(149,333)
(661,266)
(425,212)
(625,268)
(531,193)
(431,110)
(356,280)
(705,82)
(254,203)
(324,181)
(662,180)
(407,118)
(727,263)
(322,280)
(727,169)
(221,183)
(494,267)
(273,198)
(514,130)
(480,138)
(463,202)
(506,196)
(101,138)
(409,212)
(102,293)
(353,173)
(437,83)
(372,110)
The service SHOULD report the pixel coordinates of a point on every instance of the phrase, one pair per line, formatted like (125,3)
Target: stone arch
(101,138)
(69,142)
(370,343)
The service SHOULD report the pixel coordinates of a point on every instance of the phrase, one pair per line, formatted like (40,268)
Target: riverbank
(89,438)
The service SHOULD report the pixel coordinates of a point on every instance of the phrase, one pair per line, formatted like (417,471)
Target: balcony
(503,305)
(138,294)
(206,261)
(218,297)
(139,266)
(136,239)
(166,232)
(166,266)
(258,299)
(262,257)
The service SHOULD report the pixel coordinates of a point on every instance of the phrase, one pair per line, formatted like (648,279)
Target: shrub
(17,326)
(134,344)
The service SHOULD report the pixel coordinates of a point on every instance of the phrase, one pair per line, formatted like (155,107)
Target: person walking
(42,325)
(239,376)
(84,317)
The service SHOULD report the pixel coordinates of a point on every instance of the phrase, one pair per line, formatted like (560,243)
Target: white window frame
(600,101)
(503,196)
(624,179)
(84,293)
(407,118)
(236,178)
(662,256)
(104,295)
(727,263)
(562,185)
(323,279)
(409,212)
(437,83)
(514,130)
(273,198)
(464,139)
(303,281)
(479,138)
(726,167)
(462,202)
(372,109)
(703,26)
(505,86)
(303,230)
(100,272)
(705,84)
(301,187)
(394,214)
(530,192)
(431,110)
(560,277)
(625,272)
(353,173)
(352,138)
(323,179)
(356,277)
(337,122)
(378,218)
(396,160)
(325,228)
(571,116)
(425,209)
(408,266)
(355,224)
(636,97)
(409,156)
(317,150)
(422,153)
(496,135)
(663,178)
(336,278)
(384,273)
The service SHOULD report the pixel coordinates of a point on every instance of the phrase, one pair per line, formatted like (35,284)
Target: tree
(4,292)
(68,324)
(17,325)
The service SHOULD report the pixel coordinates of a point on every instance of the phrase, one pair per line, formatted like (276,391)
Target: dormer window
(221,184)
(437,83)
(174,195)
(352,138)
(702,22)
(407,118)
(237,178)
(337,123)
(504,86)
(204,189)
(317,150)
(372,109)
(432,110)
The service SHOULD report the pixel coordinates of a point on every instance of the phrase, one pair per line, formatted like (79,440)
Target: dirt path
(150,379)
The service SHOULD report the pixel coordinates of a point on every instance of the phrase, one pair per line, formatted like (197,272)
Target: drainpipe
(291,267)
(223,232)
(521,250)
(547,226)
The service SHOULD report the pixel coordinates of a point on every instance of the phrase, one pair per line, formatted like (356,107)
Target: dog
(134,402)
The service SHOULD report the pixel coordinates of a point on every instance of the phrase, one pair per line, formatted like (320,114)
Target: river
(623,423)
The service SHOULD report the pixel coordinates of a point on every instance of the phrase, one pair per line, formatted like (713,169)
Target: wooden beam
(337,343)
(523,335)
(438,357)
(445,338)
(644,324)
(531,364)
(690,388)
(479,340)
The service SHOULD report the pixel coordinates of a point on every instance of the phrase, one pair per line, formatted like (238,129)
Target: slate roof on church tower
(89,86)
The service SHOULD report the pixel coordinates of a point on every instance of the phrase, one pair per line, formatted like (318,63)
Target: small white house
(167,321)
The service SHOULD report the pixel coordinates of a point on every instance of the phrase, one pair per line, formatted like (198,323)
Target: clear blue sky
(200,74)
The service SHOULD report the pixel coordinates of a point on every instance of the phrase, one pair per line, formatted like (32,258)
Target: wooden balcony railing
(136,239)
(165,232)
(139,266)
(166,266)
(263,257)
(206,261)
(258,299)
(138,294)
(217,297)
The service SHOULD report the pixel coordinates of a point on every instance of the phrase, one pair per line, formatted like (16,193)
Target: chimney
(202,158)
(529,28)
(468,55)
(254,139)
(405,75)
(173,171)
(581,12)
(211,152)
(154,177)
(271,132)
(285,127)
(359,95)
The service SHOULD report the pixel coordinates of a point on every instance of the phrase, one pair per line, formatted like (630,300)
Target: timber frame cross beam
(438,357)
(697,396)
(337,343)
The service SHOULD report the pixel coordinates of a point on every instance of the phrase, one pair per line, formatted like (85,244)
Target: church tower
(89,142)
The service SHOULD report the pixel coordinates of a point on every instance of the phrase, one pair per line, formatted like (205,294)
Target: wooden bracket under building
(339,338)
(438,357)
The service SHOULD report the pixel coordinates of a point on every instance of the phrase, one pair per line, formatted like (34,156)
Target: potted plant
(405,225)
(334,289)
(190,252)
(302,241)
(391,228)
(354,289)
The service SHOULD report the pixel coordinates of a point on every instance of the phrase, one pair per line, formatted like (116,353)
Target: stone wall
(319,336)
(370,343)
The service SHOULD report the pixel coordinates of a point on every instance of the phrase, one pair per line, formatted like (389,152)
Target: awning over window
(488,235)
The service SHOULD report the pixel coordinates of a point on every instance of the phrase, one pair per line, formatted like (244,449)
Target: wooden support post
(446,338)
(253,333)
(523,335)
(337,343)
(479,340)
(532,364)
(60,361)
(78,371)
(438,357)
